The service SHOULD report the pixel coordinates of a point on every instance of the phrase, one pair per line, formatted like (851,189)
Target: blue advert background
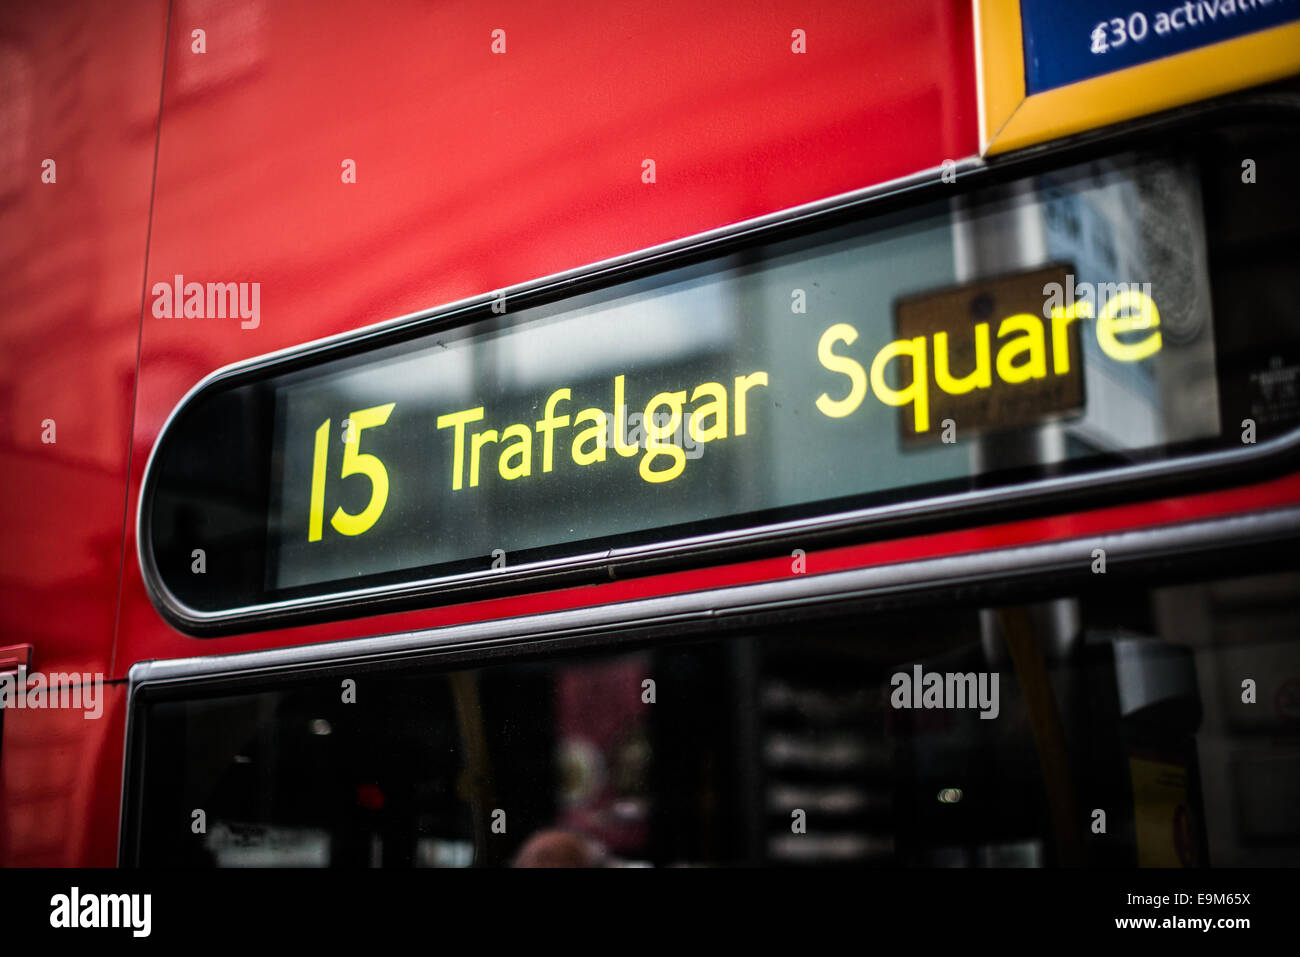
(1070,41)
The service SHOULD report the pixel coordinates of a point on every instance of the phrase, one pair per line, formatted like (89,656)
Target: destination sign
(830,372)
(801,381)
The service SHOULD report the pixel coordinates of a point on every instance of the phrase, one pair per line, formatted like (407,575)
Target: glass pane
(1137,726)
(490,429)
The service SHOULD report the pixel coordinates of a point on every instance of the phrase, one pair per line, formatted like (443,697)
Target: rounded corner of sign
(169,608)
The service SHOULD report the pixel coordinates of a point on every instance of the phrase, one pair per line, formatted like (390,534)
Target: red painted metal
(79,85)
(476,170)
(14,657)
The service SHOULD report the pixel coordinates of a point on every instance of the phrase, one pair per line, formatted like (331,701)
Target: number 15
(355,462)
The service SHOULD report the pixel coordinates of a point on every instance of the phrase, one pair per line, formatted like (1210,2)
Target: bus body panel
(473,170)
(81,105)
(477,170)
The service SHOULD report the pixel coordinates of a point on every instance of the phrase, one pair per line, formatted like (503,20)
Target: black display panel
(1110,316)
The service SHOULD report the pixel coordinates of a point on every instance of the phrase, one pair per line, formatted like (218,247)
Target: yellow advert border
(1010,120)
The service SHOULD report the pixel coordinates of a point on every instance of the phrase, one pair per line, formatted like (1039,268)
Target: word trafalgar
(707,421)
(214,300)
(947,690)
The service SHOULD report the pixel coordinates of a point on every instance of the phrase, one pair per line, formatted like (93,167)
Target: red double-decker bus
(672,435)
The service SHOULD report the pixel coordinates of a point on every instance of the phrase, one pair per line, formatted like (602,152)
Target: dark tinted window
(1175,711)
